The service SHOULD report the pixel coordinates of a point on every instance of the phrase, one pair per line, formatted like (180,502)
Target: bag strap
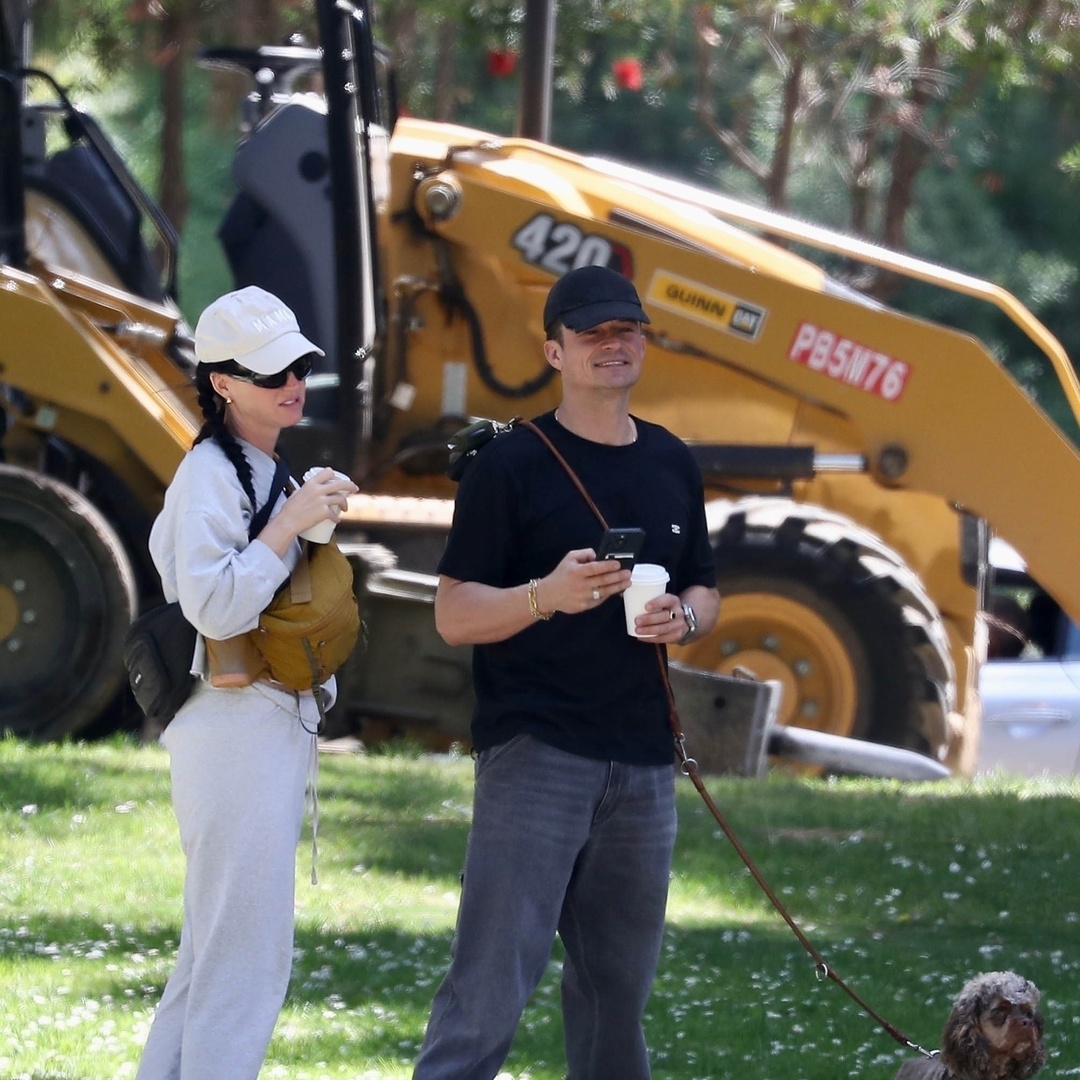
(277,485)
(689,767)
(300,590)
(566,465)
(299,582)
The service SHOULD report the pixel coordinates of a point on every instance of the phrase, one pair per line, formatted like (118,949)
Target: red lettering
(849,362)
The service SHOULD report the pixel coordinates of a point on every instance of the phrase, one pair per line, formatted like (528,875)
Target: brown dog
(994,1032)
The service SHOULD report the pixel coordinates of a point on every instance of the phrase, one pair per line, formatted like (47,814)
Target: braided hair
(213,427)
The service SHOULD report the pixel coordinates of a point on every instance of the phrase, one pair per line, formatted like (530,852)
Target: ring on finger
(596,594)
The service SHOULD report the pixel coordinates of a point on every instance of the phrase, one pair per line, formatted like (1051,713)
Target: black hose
(454,297)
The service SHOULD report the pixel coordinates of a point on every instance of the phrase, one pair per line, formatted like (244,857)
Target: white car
(1031,701)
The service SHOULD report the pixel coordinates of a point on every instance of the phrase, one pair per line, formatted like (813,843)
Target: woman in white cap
(240,757)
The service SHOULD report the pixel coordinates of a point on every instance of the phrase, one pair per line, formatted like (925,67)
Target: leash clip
(689,765)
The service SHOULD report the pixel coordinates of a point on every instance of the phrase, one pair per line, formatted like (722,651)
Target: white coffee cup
(647,581)
(321,532)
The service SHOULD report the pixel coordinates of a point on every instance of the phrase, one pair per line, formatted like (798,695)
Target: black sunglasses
(301,368)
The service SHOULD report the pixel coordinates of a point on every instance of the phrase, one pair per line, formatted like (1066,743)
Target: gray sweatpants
(239,761)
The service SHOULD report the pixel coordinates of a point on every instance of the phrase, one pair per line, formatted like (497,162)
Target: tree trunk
(908,158)
(445,91)
(173,190)
(267,25)
(861,155)
(780,167)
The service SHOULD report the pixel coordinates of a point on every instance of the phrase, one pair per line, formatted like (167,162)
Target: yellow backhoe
(857,460)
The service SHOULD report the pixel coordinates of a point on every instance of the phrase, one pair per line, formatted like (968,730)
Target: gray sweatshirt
(199,544)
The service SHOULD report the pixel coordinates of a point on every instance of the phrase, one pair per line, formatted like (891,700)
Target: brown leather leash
(690,769)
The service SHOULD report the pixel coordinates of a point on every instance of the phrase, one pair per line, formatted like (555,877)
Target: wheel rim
(9,613)
(779,638)
(42,590)
(66,598)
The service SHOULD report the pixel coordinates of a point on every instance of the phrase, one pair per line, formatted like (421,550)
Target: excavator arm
(925,408)
(850,450)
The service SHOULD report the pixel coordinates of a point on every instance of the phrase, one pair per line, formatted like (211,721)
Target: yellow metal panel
(730,311)
(114,402)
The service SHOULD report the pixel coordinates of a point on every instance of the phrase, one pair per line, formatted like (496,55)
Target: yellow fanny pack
(304,635)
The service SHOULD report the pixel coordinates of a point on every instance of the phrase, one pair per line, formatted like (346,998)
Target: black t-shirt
(577,682)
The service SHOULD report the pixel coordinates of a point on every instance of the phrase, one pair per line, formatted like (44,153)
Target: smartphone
(622,545)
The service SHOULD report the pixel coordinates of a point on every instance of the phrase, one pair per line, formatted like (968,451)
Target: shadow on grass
(730,997)
(55,785)
(907,891)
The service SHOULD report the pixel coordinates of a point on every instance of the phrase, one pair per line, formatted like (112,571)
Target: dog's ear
(1039,1058)
(965,1050)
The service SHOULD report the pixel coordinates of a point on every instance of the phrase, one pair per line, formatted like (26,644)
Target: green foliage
(984,92)
(208,151)
(884,94)
(907,890)
(102,29)
(128,107)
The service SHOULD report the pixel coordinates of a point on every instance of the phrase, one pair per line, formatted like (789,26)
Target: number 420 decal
(559,246)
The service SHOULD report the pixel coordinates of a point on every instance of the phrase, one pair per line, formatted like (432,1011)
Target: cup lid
(648,572)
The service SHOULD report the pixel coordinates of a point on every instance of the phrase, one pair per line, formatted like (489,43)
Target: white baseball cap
(252,327)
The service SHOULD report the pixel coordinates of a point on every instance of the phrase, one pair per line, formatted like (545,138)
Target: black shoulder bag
(160,643)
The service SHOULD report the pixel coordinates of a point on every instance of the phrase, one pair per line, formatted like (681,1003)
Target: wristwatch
(691,621)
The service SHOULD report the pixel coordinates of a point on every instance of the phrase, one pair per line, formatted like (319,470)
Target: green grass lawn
(907,890)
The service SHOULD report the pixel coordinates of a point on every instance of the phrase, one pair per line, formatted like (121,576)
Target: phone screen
(622,545)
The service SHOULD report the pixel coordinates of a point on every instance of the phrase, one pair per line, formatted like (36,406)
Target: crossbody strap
(277,485)
(566,465)
(300,579)
(689,767)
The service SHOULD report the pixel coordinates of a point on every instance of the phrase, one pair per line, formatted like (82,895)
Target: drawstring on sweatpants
(311,785)
(317,693)
(313,804)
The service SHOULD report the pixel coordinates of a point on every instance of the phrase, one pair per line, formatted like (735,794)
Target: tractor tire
(817,602)
(67,595)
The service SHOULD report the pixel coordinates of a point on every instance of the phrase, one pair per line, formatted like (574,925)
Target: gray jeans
(559,843)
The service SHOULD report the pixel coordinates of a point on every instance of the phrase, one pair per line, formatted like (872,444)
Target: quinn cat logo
(705,305)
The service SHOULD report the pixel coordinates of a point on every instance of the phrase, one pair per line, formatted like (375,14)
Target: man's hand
(580,582)
(663,621)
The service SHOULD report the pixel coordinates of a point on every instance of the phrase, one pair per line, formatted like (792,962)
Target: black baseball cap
(591,295)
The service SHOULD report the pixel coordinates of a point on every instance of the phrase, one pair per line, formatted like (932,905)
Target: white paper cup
(316,469)
(324,530)
(320,533)
(647,581)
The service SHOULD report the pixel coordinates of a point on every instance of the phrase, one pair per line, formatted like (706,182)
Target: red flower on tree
(627,72)
(501,62)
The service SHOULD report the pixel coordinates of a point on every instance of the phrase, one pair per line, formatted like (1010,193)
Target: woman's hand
(321,497)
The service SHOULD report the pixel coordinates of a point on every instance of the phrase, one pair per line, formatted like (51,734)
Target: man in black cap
(574,814)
